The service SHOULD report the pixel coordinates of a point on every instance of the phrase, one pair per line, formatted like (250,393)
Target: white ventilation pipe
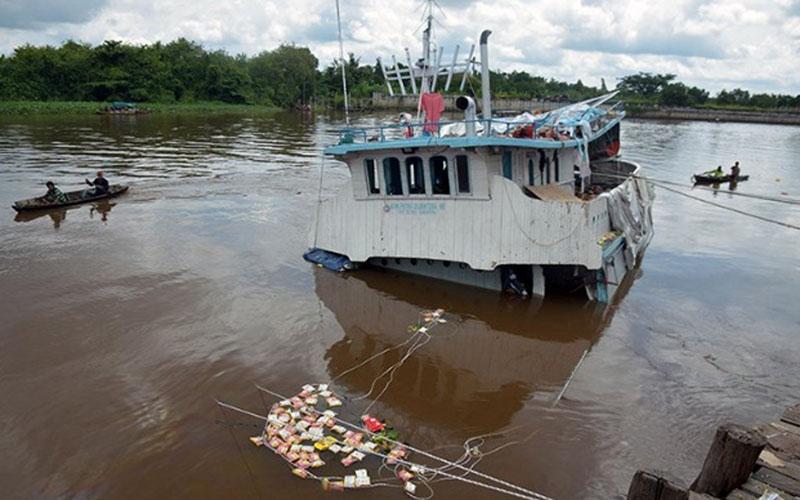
(486,91)
(467,105)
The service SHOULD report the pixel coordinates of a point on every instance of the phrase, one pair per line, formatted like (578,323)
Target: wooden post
(656,485)
(730,460)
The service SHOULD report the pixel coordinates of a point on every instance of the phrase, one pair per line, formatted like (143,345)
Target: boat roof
(381,142)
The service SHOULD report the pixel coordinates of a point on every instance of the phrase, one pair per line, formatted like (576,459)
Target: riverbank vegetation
(183,75)
(84,107)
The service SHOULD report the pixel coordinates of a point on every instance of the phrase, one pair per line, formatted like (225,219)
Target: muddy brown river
(122,321)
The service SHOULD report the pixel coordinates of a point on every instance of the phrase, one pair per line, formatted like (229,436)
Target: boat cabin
(460,173)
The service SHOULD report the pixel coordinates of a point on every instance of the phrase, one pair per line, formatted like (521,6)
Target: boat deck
(392,136)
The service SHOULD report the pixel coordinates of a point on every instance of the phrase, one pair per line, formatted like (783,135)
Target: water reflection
(100,208)
(495,355)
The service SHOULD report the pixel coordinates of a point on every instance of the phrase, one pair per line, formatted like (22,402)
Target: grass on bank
(87,107)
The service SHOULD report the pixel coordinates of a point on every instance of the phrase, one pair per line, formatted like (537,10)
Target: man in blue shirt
(100,184)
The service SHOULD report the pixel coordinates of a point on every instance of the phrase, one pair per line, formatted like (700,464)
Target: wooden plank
(739,495)
(777,480)
(784,427)
(789,469)
(552,192)
(786,443)
(656,485)
(757,488)
(792,415)
(693,495)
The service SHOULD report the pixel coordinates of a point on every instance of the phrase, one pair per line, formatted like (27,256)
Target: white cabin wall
(358,176)
(510,228)
(568,159)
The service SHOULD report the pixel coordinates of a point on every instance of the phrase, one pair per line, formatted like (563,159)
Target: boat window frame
(386,177)
(369,180)
(447,175)
(458,191)
(421,173)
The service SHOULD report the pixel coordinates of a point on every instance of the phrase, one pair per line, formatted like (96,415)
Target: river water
(122,321)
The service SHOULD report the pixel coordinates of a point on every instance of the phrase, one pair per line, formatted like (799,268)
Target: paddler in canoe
(735,171)
(717,172)
(53,194)
(100,185)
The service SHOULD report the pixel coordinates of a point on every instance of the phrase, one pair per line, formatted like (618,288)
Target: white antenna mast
(341,61)
(431,66)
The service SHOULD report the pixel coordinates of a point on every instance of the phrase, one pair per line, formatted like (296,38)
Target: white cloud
(713,44)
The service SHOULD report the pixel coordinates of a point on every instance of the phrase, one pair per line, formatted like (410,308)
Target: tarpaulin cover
(629,207)
(328,260)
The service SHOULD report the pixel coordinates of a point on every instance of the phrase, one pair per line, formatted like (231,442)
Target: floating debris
(308,434)
(303,429)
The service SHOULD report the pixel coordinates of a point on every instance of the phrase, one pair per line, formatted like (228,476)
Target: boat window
(416,175)
(462,174)
(439,175)
(371,168)
(531,178)
(507,171)
(391,174)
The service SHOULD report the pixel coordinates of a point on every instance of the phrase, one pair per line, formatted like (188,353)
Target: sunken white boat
(534,203)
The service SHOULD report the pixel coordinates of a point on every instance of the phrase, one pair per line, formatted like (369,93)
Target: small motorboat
(73,198)
(713,179)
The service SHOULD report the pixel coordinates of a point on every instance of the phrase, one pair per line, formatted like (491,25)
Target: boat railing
(404,131)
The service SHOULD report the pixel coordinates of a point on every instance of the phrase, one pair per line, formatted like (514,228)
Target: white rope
(525,493)
(531,496)
(420,333)
(525,233)
(777,199)
(725,207)
(566,384)
(319,201)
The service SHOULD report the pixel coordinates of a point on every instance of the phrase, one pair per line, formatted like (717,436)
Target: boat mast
(341,61)
(426,47)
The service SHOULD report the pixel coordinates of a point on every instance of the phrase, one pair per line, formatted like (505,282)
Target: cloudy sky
(752,44)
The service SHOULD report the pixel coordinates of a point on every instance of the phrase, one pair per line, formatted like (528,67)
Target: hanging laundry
(433,106)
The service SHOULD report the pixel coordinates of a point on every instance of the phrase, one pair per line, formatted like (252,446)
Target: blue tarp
(328,260)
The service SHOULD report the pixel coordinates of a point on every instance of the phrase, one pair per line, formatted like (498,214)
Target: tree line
(663,89)
(184,71)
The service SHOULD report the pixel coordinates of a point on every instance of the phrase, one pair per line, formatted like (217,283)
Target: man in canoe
(717,172)
(54,194)
(100,184)
(735,170)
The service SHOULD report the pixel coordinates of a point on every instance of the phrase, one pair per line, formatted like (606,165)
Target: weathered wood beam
(792,415)
(778,480)
(729,461)
(656,485)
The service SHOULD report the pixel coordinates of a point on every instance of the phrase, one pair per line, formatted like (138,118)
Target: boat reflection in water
(478,370)
(59,215)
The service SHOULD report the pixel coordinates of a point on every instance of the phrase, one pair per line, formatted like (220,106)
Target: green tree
(736,96)
(285,76)
(226,79)
(674,94)
(647,85)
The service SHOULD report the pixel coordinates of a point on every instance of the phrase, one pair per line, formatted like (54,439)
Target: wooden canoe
(73,198)
(712,179)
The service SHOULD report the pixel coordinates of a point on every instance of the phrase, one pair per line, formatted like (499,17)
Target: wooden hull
(73,198)
(708,179)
